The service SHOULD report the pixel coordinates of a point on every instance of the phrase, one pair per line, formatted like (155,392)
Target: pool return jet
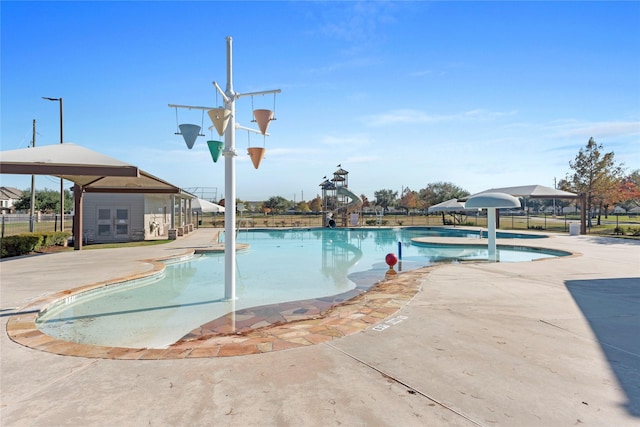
(224,121)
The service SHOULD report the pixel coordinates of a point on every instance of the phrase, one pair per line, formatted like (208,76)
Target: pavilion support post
(173,211)
(78,193)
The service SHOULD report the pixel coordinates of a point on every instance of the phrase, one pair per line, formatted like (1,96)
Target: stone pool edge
(357,314)
(366,309)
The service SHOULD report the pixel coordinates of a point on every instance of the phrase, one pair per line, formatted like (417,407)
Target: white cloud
(417,116)
(597,129)
(349,64)
(348,141)
(362,159)
(356,21)
(420,73)
(287,151)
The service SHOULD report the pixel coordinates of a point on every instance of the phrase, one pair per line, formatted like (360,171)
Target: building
(8,197)
(122,202)
(122,217)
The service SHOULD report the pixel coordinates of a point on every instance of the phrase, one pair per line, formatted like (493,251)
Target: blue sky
(401,94)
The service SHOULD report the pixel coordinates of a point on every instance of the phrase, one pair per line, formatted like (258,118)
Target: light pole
(32,225)
(61,179)
(230,153)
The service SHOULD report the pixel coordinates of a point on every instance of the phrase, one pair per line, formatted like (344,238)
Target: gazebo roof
(341,172)
(532,192)
(93,171)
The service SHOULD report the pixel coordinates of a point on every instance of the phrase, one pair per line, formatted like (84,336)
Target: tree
(438,192)
(563,184)
(596,175)
(302,206)
(278,204)
(631,190)
(316,204)
(409,199)
(634,177)
(47,201)
(365,201)
(386,198)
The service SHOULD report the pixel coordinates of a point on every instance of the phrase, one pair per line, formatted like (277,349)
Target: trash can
(574,229)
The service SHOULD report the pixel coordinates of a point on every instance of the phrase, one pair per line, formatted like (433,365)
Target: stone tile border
(288,325)
(258,329)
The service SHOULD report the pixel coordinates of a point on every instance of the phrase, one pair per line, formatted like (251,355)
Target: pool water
(279,266)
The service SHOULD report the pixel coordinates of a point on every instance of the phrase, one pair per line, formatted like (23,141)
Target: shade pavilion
(542,192)
(90,171)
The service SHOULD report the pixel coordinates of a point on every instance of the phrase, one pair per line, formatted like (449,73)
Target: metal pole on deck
(32,221)
(230,155)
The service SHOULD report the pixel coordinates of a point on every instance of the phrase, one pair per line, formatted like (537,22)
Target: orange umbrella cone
(263,117)
(256,154)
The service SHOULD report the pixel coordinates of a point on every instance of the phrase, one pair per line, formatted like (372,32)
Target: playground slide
(356,201)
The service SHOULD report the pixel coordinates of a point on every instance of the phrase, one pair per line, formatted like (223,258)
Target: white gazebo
(90,171)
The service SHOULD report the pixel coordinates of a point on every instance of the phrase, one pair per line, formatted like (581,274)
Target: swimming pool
(279,266)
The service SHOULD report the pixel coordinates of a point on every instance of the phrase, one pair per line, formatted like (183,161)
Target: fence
(507,222)
(21,223)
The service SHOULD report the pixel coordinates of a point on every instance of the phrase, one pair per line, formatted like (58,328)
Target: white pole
(491,232)
(230,154)
(230,186)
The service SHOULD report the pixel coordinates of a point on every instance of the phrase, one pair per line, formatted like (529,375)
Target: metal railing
(13,224)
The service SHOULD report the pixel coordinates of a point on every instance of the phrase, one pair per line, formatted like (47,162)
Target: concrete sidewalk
(546,343)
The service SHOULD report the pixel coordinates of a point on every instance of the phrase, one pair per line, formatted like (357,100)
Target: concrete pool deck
(545,343)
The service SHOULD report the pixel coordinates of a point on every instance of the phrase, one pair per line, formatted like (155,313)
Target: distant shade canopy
(492,200)
(532,192)
(451,205)
(205,206)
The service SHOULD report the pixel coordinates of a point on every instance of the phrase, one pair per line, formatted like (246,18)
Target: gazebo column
(78,192)
(173,233)
(180,226)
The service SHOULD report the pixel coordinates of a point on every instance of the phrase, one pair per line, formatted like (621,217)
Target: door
(113,223)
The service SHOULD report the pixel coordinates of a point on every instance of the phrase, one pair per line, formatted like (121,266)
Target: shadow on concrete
(612,307)
(609,240)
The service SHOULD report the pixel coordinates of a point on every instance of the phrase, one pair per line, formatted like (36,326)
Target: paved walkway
(553,342)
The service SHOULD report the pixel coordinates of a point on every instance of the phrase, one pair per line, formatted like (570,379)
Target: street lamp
(32,219)
(61,179)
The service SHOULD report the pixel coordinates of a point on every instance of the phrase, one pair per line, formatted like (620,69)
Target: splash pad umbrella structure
(224,120)
(491,202)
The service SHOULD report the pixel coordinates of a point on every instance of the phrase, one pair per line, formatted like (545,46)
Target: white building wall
(157,216)
(92,202)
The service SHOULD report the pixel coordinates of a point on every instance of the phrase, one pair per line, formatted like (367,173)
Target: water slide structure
(354,203)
